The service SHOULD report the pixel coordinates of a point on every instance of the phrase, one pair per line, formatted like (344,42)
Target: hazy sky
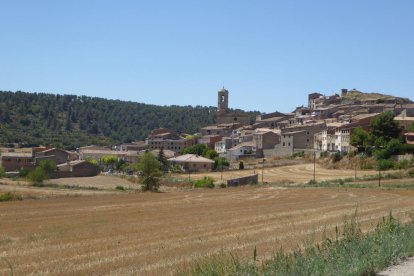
(268,54)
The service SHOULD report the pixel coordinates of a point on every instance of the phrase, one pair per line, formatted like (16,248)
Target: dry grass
(156,233)
(297,173)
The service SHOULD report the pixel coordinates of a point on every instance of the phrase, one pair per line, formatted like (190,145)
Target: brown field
(81,186)
(154,233)
(295,173)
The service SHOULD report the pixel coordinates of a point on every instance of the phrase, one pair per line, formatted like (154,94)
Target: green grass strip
(349,253)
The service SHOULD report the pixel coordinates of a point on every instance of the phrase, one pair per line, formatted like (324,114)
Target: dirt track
(156,233)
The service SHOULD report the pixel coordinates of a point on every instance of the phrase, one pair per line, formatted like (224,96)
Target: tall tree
(384,128)
(150,172)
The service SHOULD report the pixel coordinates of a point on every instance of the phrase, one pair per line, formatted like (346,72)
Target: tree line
(70,121)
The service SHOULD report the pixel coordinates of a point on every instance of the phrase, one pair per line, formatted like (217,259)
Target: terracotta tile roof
(193,158)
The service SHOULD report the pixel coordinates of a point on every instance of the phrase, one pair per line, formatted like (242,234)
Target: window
(289,144)
(307,140)
(283,143)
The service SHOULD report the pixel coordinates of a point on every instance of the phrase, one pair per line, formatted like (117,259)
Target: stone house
(304,135)
(226,143)
(266,139)
(56,155)
(285,147)
(326,139)
(136,146)
(14,161)
(192,163)
(79,168)
(209,140)
(243,150)
(167,139)
(223,130)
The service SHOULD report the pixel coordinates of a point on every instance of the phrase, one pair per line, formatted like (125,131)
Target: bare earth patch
(154,233)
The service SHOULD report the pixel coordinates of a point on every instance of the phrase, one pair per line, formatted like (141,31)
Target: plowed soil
(155,233)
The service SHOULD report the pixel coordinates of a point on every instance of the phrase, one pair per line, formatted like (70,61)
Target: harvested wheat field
(155,233)
(293,173)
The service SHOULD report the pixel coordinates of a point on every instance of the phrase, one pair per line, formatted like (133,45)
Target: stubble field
(294,173)
(155,233)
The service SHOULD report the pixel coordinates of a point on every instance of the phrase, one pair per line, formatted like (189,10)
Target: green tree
(384,128)
(48,166)
(150,169)
(199,149)
(37,176)
(109,161)
(360,138)
(411,128)
(210,154)
(221,163)
(2,172)
(163,160)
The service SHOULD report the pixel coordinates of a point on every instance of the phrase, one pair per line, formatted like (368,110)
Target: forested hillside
(72,121)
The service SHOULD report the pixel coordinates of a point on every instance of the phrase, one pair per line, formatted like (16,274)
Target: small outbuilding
(79,168)
(192,163)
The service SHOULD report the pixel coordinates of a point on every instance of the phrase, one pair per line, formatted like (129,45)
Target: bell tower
(223,100)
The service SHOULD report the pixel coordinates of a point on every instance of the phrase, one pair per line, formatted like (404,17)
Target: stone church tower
(223,101)
(227,116)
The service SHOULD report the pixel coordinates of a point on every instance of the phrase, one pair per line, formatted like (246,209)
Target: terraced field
(155,233)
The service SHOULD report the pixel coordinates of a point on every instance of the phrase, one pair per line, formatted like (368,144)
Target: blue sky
(268,54)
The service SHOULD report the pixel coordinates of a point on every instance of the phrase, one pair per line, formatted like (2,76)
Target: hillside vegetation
(72,121)
(355,95)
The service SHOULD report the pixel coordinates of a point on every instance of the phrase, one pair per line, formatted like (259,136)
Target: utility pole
(356,163)
(379,177)
(314,167)
(263,170)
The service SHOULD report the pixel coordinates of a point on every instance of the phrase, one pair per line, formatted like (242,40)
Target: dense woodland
(70,121)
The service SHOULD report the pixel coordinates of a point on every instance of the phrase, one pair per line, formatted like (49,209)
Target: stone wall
(250,179)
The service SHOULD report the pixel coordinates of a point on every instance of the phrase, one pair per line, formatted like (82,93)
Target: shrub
(120,188)
(37,176)
(402,165)
(366,166)
(47,166)
(324,154)
(352,154)
(385,164)
(411,173)
(2,172)
(206,182)
(24,172)
(9,196)
(336,157)
(300,154)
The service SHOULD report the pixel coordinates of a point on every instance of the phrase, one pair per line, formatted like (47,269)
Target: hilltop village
(324,125)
